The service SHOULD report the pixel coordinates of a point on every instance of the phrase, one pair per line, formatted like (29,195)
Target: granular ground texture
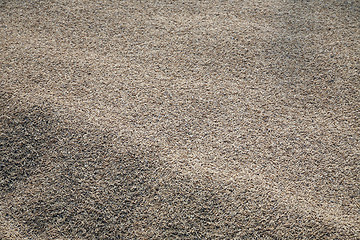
(179,119)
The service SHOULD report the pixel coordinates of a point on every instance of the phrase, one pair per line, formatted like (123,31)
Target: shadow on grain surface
(242,116)
(68,181)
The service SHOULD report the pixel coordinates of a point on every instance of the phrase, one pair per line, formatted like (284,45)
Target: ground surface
(179,119)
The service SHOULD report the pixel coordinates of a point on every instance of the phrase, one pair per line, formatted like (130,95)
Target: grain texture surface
(179,119)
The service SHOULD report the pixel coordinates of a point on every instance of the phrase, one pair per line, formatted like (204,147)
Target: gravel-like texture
(180,119)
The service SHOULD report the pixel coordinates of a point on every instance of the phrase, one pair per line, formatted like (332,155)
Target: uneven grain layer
(179,119)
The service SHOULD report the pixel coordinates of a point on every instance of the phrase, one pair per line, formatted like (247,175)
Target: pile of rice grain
(179,119)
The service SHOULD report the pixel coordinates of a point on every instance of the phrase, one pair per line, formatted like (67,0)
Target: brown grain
(179,119)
